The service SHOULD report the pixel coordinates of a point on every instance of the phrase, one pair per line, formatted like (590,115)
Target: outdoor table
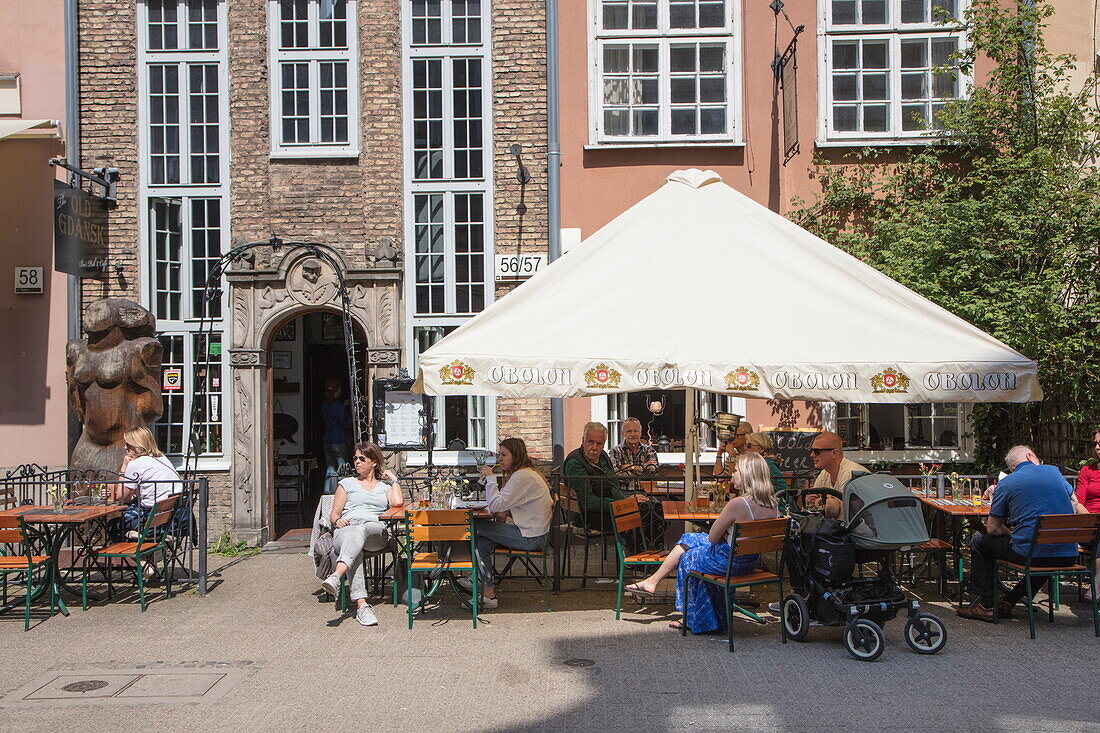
(395,515)
(52,528)
(952,520)
(689,511)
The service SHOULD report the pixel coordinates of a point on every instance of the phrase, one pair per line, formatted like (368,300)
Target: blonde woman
(147,477)
(710,553)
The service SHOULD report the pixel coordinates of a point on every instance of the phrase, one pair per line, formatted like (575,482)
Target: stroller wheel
(925,634)
(796,617)
(864,640)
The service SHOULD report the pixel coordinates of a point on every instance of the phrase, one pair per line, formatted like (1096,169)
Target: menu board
(401,416)
(793,448)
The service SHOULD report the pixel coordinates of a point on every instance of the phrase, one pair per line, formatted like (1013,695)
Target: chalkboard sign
(793,448)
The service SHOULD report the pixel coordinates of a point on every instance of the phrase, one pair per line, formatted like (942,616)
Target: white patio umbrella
(657,299)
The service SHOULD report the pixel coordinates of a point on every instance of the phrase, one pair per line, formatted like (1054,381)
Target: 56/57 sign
(517,267)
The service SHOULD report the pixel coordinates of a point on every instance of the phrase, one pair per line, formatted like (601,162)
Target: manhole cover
(85,686)
(578,662)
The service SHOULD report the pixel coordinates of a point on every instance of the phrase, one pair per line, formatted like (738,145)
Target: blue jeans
(491,535)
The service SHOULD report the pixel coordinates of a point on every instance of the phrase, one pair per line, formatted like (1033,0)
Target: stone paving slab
(306,667)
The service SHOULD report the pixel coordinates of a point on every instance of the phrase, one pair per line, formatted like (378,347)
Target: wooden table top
(682,511)
(955,510)
(397,513)
(72,514)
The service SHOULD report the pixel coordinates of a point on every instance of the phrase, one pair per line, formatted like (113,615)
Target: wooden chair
(443,526)
(573,512)
(749,538)
(628,524)
(933,548)
(151,541)
(1053,529)
(529,559)
(13,531)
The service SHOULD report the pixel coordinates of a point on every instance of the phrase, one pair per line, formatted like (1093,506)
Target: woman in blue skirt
(710,553)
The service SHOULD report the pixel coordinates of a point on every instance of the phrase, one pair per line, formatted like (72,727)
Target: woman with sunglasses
(147,477)
(356,506)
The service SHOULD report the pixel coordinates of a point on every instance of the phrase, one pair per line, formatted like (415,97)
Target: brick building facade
(382,132)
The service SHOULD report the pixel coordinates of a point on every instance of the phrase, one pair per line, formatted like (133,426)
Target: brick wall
(519,117)
(350,204)
(108,130)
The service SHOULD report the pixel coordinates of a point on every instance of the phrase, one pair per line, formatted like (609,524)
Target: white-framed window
(887,69)
(449,239)
(448,193)
(665,71)
(669,425)
(183,189)
(313,52)
(919,431)
(463,422)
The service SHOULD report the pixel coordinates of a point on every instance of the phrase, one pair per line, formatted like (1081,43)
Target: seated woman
(523,508)
(147,477)
(710,553)
(356,506)
(762,443)
(1088,493)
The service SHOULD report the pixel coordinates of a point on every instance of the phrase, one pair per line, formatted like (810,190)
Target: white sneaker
(487,602)
(465,584)
(331,584)
(365,616)
(774,607)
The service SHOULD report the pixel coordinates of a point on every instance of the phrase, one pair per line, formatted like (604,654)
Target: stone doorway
(263,302)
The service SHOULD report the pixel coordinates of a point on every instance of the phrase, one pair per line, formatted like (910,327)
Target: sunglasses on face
(816,451)
(359,458)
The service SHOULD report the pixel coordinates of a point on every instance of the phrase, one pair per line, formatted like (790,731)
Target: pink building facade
(652,86)
(33,423)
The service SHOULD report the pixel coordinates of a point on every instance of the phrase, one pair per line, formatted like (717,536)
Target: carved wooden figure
(114,380)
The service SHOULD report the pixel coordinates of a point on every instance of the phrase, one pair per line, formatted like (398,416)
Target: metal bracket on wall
(106,178)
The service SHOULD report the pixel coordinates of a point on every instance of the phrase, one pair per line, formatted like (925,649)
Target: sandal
(678,625)
(637,590)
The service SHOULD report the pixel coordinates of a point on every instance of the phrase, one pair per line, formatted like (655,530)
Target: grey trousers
(351,542)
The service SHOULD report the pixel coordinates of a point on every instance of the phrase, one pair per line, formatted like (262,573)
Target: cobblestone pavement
(308,668)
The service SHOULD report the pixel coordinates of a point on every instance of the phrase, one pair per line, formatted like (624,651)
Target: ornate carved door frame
(260,302)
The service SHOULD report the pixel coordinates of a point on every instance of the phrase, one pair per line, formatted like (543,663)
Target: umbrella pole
(691,441)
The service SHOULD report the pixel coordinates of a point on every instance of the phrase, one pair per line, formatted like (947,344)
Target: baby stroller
(882,516)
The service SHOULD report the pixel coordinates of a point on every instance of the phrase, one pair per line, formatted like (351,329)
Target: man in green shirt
(595,484)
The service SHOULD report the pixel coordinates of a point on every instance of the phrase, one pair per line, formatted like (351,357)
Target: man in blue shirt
(1027,493)
(338,437)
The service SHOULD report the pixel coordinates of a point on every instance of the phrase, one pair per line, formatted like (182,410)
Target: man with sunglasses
(827,454)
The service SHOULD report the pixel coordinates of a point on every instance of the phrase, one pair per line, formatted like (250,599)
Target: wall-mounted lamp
(522,174)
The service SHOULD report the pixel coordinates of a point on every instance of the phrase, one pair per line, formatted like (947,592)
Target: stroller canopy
(882,513)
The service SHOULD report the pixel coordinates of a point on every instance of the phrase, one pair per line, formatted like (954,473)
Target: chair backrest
(11,530)
(628,517)
(567,499)
(161,514)
(1053,529)
(758,537)
(438,525)
(7,496)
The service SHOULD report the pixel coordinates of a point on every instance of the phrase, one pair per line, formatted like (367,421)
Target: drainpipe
(553,185)
(72,153)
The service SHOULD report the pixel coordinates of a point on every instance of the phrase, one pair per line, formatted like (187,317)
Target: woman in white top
(523,508)
(356,506)
(710,553)
(147,477)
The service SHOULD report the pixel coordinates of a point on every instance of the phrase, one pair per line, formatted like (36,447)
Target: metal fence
(31,484)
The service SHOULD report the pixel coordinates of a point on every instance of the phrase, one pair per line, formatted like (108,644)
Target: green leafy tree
(997,220)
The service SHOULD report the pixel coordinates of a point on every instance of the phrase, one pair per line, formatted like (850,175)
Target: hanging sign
(172,380)
(79,232)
